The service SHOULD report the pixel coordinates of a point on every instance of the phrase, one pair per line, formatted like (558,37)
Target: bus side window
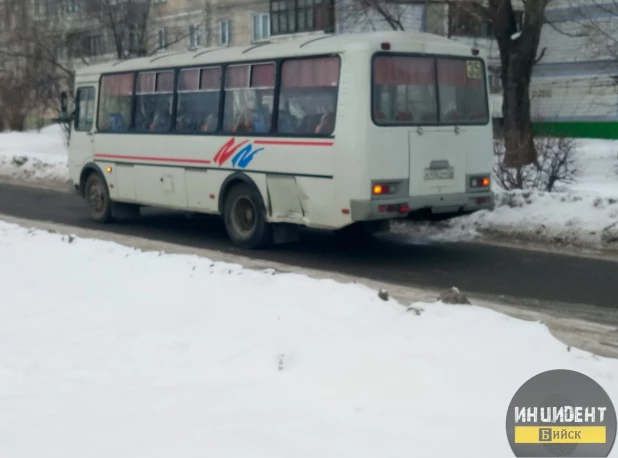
(249,91)
(198,100)
(84,109)
(153,99)
(310,86)
(115,104)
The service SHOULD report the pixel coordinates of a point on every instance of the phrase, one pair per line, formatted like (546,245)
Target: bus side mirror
(64,102)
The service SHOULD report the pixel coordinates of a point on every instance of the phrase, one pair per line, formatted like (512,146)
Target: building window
(464,19)
(95,45)
(292,16)
(73,6)
(195,36)
(261,27)
(225,32)
(133,41)
(162,38)
(39,8)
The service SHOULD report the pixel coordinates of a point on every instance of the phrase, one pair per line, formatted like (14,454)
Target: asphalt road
(474,268)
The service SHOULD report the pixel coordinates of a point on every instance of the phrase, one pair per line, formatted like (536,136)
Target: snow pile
(583,214)
(34,156)
(107,351)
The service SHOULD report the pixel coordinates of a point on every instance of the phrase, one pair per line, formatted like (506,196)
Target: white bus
(332,132)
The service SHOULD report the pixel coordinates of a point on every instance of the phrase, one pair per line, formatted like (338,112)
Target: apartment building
(574,83)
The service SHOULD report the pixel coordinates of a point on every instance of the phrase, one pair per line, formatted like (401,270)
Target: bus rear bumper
(447,204)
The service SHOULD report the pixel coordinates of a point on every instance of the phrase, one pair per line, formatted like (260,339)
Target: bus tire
(245,217)
(97,198)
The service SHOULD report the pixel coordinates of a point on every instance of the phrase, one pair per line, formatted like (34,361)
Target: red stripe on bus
(291,143)
(157,159)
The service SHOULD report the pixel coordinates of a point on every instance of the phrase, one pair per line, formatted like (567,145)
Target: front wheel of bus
(97,198)
(245,218)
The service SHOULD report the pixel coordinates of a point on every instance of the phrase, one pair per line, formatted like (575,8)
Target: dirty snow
(583,214)
(109,351)
(34,156)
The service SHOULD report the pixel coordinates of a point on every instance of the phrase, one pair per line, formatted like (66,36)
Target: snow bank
(583,214)
(107,351)
(34,156)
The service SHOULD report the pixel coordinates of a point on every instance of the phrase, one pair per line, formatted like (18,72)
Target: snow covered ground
(34,156)
(109,351)
(583,214)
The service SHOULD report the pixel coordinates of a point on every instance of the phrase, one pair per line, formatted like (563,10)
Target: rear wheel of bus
(245,217)
(97,198)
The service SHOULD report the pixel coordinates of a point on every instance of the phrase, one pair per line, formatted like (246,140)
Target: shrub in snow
(556,165)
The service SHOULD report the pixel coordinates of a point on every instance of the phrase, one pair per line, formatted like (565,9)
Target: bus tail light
(385,46)
(480,182)
(381,189)
(392,208)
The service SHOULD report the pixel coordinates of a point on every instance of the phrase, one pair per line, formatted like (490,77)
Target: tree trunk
(17,121)
(518,49)
(518,138)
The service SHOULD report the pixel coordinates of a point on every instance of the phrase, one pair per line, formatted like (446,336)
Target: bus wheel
(245,218)
(97,198)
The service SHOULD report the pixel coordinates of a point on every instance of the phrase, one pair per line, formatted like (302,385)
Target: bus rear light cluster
(392,208)
(381,189)
(480,182)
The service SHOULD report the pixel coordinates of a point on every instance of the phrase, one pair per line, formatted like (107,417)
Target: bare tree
(42,42)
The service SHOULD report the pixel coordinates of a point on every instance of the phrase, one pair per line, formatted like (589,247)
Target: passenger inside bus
(161,121)
(327,123)
(210,124)
(243,122)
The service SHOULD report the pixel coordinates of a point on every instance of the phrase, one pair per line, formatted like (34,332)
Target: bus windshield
(428,90)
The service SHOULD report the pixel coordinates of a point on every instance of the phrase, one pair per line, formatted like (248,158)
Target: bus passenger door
(82,136)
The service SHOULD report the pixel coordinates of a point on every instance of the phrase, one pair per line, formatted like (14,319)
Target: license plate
(440,174)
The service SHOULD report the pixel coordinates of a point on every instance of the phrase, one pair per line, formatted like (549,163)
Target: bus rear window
(406,90)
(462,95)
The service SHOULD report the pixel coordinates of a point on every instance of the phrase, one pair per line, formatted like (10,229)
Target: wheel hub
(244,215)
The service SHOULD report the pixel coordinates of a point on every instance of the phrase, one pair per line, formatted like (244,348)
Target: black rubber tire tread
(261,235)
(105,215)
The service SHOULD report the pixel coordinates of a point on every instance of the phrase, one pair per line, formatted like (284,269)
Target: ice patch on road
(157,355)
